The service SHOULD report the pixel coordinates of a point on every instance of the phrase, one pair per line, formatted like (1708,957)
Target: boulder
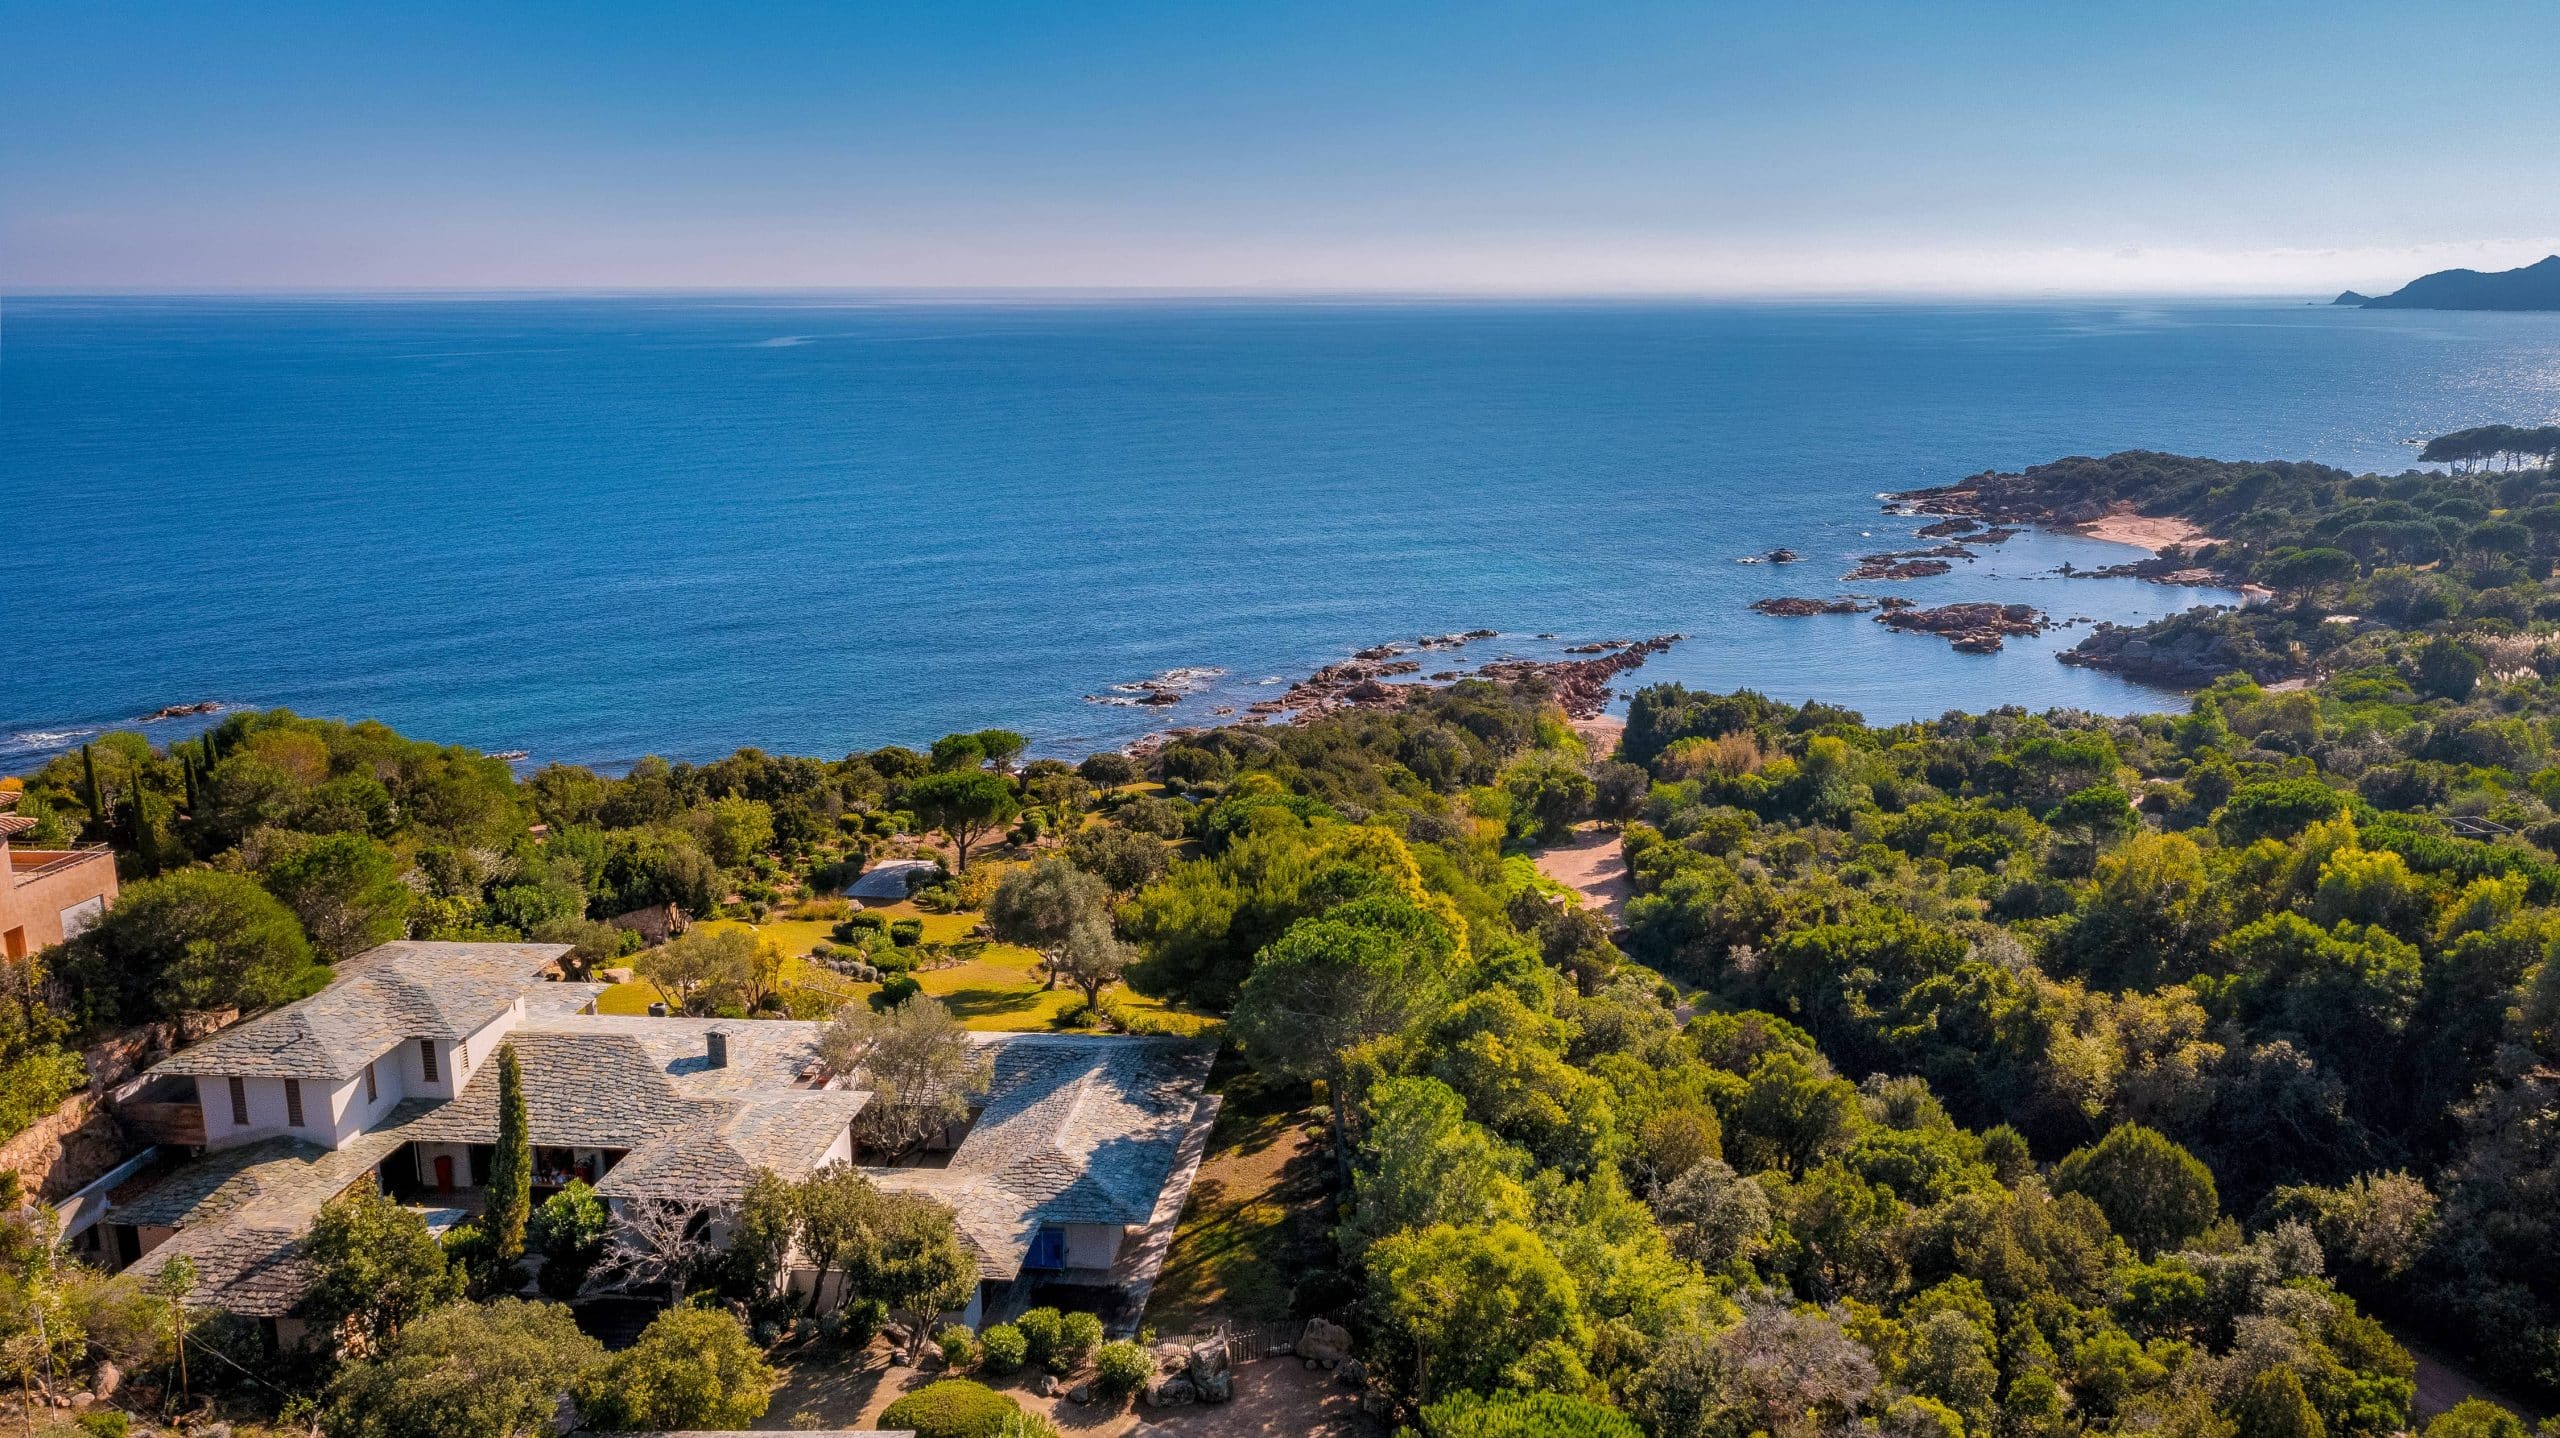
(1353,1372)
(1173,1392)
(1047,1387)
(1172,1358)
(1323,1340)
(1081,1393)
(1215,1387)
(109,1379)
(1210,1357)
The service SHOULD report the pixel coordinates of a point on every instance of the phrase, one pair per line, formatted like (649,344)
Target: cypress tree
(89,770)
(511,1168)
(138,815)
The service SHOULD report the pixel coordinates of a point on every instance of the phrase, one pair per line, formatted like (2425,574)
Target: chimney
(717,1044)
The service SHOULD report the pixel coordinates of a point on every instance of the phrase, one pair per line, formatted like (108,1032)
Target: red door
(444,1173)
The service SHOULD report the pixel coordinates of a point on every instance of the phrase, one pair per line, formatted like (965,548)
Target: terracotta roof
(12,825)
(380,999)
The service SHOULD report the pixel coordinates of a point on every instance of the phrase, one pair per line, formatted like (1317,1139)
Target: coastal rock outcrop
(1581,685)
(1885,567)
(1794,608)
(1971,628)
(2186,650)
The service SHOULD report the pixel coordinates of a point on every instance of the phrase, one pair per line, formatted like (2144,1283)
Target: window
(427,1058)
(81,917)
(13,944)
(372,1086)
(293,1102)
(239,1104)
(1048,1248)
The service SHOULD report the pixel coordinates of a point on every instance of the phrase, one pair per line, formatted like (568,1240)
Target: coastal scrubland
(2003,1075)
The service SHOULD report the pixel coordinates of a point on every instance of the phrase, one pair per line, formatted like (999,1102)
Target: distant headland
(2532,287)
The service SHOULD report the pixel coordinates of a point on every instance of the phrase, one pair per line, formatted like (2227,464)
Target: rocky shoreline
(1582,686)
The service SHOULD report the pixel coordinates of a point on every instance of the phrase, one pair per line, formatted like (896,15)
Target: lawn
(998,989)
(1256,1220)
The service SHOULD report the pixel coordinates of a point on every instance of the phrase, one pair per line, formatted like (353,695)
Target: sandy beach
(2142,531)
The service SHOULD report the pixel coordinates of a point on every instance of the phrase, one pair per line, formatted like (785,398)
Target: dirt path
(1592,865)
(2441,1385)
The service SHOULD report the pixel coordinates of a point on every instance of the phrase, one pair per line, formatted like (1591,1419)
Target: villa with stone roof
(1071,1170)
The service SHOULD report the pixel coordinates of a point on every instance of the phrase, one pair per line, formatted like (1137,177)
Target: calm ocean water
(595,528)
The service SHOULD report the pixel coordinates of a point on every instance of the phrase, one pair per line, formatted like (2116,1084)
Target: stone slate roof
(647,1086)
(241,1213)
(890,880)
(380,999)
(1075,1129)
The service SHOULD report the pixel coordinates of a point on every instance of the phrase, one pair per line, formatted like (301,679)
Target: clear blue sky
(1615,146)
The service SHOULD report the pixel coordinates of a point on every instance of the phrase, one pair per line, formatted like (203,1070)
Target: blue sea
(600,527)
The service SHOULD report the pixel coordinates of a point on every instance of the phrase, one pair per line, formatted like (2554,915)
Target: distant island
(2533,287)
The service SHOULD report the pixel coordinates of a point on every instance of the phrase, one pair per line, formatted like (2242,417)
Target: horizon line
(1345,294)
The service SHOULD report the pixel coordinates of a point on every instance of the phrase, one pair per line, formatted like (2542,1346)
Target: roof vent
(717,1045)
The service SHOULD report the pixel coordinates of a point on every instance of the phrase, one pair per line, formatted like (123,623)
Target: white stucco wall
(1092,1245)
(268,1112)
(428,1153)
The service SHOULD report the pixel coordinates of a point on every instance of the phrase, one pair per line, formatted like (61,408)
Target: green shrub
(1039,1329)
(1078,1335)
(1525,1415)
(906,933)
(1027,1425)
(1003,1348)
(860,1321)
(959,1346)
(951,1408)
(895,990)
(1121,1369)
(894,961)
(852,928)
(104,1423)
(34,1085)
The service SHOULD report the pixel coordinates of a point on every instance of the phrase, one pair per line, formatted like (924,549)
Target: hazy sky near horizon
(1827,146)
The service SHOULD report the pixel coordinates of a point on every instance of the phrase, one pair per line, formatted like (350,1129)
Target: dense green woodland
(2000,1076)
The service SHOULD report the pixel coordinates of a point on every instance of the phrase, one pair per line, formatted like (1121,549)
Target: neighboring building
(385,1078)
(49,895)
(891,880)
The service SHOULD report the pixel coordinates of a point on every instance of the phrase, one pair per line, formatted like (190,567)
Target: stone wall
(59,1153)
